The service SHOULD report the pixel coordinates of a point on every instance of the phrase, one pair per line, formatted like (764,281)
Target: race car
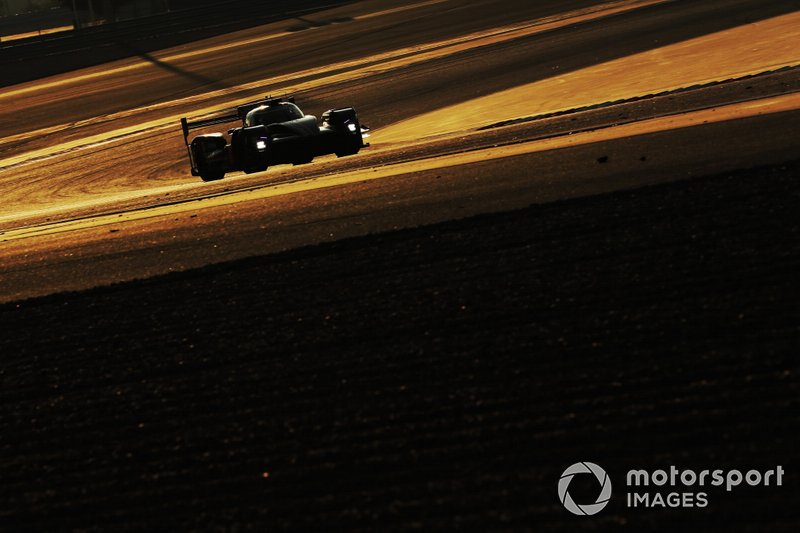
(274,131)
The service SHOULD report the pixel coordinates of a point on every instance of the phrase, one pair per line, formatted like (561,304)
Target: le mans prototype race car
(274,131)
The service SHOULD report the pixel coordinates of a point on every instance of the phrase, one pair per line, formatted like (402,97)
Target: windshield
(263,116)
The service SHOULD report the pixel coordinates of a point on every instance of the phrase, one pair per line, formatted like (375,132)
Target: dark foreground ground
(436,377)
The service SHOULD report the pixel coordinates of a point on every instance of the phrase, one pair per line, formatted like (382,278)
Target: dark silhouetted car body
(274,131)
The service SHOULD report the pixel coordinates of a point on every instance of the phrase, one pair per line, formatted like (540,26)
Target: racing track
(504,106)
(107,144)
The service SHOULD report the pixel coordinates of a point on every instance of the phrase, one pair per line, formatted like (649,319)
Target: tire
(208,152)
(345,122)
(211,174)
(351,142)
(348,151)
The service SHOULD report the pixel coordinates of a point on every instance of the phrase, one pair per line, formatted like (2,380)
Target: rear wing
(229,115)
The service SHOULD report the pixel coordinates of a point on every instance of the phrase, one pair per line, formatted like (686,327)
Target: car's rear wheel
(211,174)
(208,152)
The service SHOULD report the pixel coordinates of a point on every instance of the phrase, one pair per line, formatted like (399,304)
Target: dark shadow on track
(307,24)
(35,58)
(194,77)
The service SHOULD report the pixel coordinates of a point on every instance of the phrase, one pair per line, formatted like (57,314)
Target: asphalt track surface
(611,280)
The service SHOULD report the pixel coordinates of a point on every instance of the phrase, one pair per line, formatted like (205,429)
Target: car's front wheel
(345,122)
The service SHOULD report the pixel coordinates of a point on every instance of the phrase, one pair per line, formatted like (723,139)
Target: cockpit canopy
(272,114)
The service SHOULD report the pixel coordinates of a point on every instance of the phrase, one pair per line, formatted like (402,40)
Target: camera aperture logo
(586,509)
(667,488)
